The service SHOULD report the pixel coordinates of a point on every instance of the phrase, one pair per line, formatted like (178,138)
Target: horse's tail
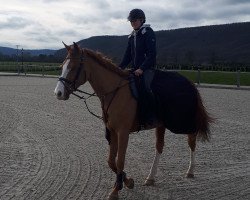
(203,120)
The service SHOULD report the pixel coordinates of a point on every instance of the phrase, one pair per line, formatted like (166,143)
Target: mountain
(227,43)
(41,51)
(207,44)
(11,51)
(7,51)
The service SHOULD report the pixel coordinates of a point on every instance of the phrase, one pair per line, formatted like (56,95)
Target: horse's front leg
(123,137)
(112,158)
(113,145)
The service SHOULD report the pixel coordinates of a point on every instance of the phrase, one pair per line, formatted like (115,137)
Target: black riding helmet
(136,14)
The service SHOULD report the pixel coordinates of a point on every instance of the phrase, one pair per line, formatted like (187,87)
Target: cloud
(45,23)
(236,2)
(14,23)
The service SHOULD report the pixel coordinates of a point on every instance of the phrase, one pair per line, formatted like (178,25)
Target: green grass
(214,77)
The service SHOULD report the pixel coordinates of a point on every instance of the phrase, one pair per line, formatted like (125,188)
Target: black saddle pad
(177,101)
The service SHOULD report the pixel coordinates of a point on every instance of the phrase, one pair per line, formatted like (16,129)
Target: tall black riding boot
(149,102)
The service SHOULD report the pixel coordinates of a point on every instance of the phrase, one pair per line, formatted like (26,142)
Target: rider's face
(136,24)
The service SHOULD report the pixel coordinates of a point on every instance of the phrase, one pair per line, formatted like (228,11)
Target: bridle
(71,87)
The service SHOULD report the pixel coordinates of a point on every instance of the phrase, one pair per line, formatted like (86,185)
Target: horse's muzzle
(60,96)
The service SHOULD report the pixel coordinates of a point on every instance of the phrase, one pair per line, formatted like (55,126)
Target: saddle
(175,100)
(135,81)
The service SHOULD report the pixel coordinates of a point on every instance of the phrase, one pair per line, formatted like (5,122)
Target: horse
(119,110)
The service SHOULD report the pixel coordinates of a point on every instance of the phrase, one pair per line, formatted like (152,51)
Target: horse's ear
(76,46)
(66,46)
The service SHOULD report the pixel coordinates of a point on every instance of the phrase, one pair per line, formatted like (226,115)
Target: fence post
(198,76)
(238,78)
(43,70)
(17,64)
(25,69)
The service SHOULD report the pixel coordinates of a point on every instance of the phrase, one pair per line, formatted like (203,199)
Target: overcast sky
(37,24)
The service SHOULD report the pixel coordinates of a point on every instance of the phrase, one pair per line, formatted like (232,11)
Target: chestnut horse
(111,85)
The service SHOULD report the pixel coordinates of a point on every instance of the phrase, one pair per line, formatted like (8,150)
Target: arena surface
(52,149)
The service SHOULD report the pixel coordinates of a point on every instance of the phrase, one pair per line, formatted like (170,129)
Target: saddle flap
(146,80)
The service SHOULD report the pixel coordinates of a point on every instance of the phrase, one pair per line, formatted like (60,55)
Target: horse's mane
(106,62)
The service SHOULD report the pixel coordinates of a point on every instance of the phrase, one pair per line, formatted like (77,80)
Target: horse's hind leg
(192,145)
(159,133)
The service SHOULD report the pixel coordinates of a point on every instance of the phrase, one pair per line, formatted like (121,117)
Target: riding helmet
(136,14)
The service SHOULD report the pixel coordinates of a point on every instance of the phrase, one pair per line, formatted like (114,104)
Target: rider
(141,53)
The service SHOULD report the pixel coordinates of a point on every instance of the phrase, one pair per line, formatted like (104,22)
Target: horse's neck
(103,80)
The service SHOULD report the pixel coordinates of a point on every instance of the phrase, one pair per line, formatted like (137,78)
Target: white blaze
(65,71)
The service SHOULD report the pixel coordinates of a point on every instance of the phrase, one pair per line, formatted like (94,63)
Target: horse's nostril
(59,94)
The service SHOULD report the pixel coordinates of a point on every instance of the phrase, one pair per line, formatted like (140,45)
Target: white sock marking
(191,163)
(153,170)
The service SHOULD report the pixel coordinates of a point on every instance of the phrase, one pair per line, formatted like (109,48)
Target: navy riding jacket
(141,49)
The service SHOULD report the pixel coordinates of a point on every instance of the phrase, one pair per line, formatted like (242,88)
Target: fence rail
(206,68)
(196,74)
(31,68)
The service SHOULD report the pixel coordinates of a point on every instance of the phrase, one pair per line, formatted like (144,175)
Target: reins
(100,96)
(63,80)
(85,101)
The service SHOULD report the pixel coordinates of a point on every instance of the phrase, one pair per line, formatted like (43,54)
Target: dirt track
(52,149)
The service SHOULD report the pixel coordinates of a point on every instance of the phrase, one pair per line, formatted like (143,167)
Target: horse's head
(73,74)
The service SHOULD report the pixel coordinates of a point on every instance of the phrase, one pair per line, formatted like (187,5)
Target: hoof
(149,182)
(190,175)
(130,183)
(113,196)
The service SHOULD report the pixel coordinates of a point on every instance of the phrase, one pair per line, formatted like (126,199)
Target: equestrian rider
(141,48)
(141,53)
